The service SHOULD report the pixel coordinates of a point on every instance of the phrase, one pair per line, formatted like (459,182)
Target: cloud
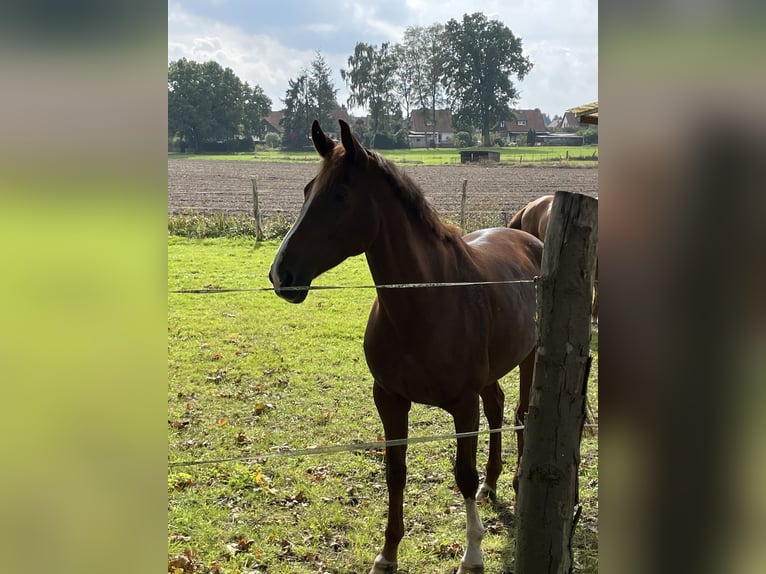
(258,59)
(269,48)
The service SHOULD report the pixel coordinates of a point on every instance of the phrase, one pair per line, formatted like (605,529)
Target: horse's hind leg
(493,398)
(526,372)
(394,414)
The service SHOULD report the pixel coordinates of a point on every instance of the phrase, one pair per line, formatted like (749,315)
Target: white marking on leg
(474,532)
(486,492)
(383,566)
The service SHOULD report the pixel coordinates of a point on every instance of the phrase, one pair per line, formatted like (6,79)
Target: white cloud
(559,36)
(258,59)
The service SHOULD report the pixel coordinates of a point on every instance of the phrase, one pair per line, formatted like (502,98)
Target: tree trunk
(548,484)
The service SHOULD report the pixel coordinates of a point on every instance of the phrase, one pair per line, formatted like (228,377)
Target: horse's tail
(515,222)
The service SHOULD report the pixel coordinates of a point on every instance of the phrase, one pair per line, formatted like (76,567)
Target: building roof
(524,120)
(420,121)
(569,120)
(272,121)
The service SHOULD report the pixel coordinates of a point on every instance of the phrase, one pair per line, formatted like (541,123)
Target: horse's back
(533,217)
(506,250)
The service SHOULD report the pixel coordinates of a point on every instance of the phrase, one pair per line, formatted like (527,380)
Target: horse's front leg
(394,413)
(466,415)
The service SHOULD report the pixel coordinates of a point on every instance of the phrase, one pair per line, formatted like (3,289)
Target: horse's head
(338,218)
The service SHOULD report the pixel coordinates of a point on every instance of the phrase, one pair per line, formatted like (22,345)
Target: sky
(268,43)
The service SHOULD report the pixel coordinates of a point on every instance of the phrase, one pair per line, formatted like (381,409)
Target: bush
(197,226)
(277,227)
(273,140)
(227,146)
(402,138)
(384,141)
(463,139)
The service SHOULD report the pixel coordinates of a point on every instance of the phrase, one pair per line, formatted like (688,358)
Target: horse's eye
(340,195)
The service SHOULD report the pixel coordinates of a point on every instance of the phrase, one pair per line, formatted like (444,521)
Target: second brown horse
(533,218)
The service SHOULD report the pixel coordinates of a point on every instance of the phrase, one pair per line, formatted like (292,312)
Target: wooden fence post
(462,206)
(548,486)
(257,213)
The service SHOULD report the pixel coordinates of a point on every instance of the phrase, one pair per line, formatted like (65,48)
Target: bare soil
(494,192)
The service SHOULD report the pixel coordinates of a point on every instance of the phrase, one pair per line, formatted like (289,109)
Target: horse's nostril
(287,279)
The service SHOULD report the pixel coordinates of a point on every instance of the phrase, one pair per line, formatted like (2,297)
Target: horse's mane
(413,200)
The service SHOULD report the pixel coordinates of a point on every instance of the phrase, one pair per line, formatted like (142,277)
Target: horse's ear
(354,150)
(323,144)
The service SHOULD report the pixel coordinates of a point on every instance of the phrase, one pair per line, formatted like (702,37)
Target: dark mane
(413,200)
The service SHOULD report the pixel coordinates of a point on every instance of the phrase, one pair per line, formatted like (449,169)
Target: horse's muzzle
(286,286)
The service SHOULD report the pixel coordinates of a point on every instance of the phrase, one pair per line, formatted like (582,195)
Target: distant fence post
(548,486)
(462,206)
(257,213)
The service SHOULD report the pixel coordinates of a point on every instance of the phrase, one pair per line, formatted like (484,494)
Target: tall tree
(308,97)
(482,56)
(370,74)
(422,52)
(405,74)
(298,112)
(323,93)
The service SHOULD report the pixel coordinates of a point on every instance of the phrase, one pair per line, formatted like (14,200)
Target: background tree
(370,74)
(298,113)
(481,56)
(189,101)
(308,97)
(323,94)
(257,105)
(207,103)
(429,56)
(404,85)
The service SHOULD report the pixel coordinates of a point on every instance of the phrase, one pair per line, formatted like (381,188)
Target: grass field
(250,374)
(588,154)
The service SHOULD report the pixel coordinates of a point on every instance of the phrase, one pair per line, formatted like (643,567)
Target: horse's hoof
(471,569)
(383,566)
(486,492)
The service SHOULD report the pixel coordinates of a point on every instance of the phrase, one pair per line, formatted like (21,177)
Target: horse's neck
(408,250)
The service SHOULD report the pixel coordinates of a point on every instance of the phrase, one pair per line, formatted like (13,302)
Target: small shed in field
(469,156)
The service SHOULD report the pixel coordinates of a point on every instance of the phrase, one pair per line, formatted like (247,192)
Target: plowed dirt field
(494,192)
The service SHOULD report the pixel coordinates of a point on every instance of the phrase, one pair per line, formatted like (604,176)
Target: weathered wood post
(257,213)
(462,206)
(548,481)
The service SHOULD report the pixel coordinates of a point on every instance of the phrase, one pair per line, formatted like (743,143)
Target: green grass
(250,374)
(508,155)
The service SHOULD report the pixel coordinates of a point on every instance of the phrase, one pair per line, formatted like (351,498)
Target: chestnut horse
(442,346)
(533,218)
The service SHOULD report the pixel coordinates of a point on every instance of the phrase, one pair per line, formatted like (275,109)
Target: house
(520,122)
(555,123)
(570,120)
(424,133)
(271,123)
